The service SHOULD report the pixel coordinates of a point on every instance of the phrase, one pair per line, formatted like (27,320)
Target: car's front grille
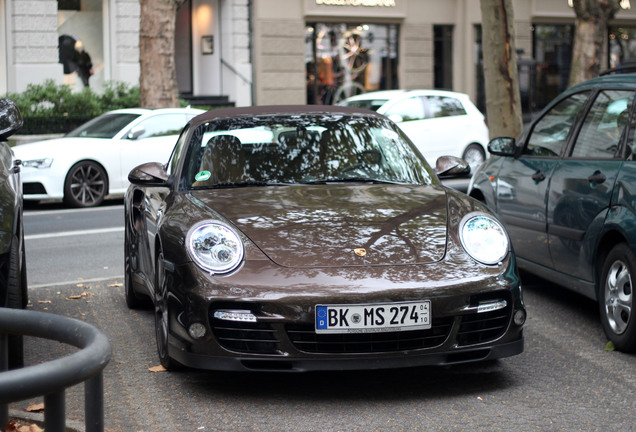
(305,339)
(33,189)
(482,327)
(245,337)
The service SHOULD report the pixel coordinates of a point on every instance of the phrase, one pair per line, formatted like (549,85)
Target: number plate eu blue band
(368,318)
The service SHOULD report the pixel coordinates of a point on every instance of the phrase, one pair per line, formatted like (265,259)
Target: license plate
(369,318)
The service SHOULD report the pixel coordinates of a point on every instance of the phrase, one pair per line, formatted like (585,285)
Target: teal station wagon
(566,193)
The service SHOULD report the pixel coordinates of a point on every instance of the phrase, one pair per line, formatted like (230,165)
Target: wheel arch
(478,144)
(101,165)
(606,243)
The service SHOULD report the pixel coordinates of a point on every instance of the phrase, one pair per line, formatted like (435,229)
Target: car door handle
(597,178)
(538,176)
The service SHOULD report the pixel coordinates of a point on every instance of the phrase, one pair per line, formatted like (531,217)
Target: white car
(439,122)
(94,160)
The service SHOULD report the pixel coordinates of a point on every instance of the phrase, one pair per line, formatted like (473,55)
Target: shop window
(343,60)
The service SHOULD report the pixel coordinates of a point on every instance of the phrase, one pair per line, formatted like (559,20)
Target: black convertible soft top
(263,110)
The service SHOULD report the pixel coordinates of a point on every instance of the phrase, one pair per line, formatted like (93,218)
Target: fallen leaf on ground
(609,346)
(79,296)
(157,369)
(116,285)
(16,427)
(44,301)
(35,407)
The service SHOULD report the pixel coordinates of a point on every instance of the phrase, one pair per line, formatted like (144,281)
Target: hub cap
(618,297)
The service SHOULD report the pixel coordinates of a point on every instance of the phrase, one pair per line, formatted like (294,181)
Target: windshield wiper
(354,180)
(249,184)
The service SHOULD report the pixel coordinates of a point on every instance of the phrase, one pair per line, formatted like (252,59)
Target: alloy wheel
(618,297)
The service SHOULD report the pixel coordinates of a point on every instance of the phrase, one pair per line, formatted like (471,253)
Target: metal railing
(50,379)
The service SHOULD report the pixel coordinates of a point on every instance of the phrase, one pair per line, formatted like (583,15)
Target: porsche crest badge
(360,251)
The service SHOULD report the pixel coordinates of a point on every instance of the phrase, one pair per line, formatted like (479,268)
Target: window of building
(343,60)
(543,76)
(553,55)
(68,5)
(443,56)
(622,45)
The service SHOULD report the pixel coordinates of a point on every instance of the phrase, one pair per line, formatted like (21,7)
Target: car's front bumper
(472,320)
(396,360)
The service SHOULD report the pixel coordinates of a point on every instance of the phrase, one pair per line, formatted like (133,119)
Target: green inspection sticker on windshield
(203,176)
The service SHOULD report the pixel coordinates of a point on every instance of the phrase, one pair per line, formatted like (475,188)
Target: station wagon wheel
(616,297)
(162,316)
(474,155)
(86,185)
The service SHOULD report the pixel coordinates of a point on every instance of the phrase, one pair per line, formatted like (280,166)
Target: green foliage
(55,108)
(54,100)
(119,95)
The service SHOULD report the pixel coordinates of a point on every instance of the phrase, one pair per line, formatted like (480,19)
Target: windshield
(370,104)
(301,149)
(104,126)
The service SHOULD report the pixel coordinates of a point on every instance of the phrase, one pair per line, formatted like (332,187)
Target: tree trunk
(503,99)
(590,33)
(158,77)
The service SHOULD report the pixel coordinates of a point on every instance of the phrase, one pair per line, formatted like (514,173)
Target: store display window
(344,60)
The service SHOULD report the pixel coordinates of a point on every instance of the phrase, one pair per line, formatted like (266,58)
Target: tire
(162,317)
(16,300)
(86,185)
(616,297)
(133,300)
(475,156)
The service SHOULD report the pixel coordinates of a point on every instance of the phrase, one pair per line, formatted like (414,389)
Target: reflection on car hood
(338,225)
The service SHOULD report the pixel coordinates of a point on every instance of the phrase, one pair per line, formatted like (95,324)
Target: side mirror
(136,132)
(503,146)
(451,167)
(10,119)
(149,174)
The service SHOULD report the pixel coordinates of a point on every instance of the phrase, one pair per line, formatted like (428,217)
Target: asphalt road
(67,245)
(564,381)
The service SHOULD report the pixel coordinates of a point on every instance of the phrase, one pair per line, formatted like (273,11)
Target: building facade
(260,52)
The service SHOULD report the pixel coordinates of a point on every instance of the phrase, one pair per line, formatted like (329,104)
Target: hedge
(55,108)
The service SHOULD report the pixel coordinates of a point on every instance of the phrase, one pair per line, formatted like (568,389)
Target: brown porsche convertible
(298,238)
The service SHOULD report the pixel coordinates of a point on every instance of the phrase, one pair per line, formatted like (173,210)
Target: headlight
(215,247)
(483,238)
(38,163)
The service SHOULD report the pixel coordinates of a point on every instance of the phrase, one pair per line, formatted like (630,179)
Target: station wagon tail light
(483,238)
(215,247)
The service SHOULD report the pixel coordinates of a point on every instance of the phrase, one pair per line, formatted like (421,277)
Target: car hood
(338,225)
(50,148)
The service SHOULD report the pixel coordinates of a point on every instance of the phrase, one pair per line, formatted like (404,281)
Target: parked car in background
(439,122)
(94,160)
(566,192)
(315,238)
(13,273)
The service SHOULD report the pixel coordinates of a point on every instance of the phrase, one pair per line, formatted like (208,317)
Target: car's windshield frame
(316,148)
